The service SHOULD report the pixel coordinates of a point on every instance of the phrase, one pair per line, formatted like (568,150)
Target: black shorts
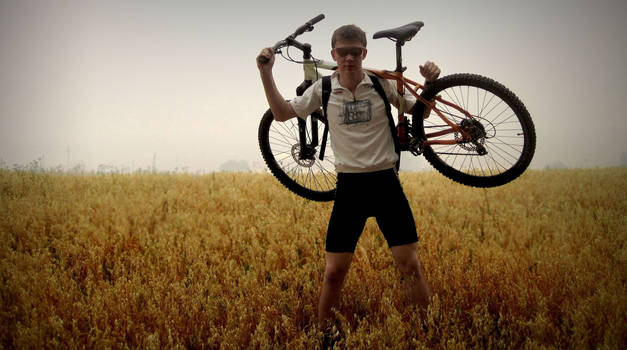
(363,195)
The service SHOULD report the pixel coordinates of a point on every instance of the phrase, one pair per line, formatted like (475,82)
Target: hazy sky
(118,82)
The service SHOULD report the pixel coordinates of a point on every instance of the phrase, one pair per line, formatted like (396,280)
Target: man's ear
(333,55)
(363,55)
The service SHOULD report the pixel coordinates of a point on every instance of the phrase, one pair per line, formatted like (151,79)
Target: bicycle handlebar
(307,27)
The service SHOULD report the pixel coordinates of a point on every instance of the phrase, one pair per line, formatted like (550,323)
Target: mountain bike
(470,128)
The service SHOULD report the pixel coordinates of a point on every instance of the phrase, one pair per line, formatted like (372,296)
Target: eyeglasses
(349,50)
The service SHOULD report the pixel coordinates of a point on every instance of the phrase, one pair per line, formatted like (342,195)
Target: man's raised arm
(281,109)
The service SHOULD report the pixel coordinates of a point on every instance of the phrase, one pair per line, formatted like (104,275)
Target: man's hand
(267,54)
(430,71)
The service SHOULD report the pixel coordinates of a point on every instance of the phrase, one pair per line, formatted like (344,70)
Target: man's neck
(350,80)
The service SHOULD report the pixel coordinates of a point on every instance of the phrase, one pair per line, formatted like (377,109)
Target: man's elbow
(284,114)
(281,117)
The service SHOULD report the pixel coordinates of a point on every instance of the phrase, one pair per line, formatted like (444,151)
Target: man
(367,182)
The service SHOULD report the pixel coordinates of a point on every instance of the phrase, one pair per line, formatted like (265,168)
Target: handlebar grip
(316,19)
(308,25)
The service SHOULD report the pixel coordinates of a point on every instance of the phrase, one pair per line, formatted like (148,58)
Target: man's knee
(335,274)
(337,265)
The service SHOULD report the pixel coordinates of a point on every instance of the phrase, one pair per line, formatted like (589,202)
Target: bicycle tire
(311,178)
(506,131)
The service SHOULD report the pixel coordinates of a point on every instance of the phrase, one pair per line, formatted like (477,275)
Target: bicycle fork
(307,151)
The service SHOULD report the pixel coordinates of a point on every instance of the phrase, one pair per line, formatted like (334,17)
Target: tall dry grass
(235,261)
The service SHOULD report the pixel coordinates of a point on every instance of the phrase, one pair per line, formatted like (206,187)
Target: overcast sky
(118,82)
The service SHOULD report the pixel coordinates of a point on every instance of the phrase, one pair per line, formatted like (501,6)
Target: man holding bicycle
(367,181)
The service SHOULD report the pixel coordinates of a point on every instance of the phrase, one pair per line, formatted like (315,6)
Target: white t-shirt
(358,125)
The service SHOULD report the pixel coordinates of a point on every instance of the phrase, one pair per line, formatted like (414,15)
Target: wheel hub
(475,136)
(304,159)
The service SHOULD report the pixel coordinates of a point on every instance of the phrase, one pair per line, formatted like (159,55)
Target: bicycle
(470,128)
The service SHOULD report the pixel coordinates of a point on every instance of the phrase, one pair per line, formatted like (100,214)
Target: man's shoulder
(314,89)
(388,86)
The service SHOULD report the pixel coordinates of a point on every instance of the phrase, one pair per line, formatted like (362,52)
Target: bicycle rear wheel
(302,172)
(503,134)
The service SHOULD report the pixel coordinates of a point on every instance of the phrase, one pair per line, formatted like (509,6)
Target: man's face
(348,55)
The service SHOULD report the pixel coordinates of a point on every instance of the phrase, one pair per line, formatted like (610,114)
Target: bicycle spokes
(489,143)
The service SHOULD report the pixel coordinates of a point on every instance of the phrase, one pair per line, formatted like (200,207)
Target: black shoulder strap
(388,110)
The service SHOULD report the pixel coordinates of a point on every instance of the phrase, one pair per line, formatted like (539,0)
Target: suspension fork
(302,133)
(306,150)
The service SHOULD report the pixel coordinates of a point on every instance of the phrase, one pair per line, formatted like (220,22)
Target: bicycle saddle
(400,34)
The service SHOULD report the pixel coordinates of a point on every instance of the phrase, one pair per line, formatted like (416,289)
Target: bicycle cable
(290,59)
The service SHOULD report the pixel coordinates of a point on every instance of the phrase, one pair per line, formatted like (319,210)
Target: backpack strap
(388,110)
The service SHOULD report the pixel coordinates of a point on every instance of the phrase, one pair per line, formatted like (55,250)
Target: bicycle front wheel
(502,137)
(298,169)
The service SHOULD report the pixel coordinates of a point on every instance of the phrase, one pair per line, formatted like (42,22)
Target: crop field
(234,260)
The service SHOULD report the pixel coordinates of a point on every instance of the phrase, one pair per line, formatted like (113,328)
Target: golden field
(230,261)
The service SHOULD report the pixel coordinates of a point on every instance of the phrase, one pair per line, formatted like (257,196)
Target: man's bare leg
(337,265)
(406,257)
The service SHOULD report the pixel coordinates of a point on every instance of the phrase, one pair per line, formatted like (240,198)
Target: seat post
(399,60)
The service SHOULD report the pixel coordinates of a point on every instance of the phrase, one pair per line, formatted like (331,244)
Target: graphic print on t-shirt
(357,112)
